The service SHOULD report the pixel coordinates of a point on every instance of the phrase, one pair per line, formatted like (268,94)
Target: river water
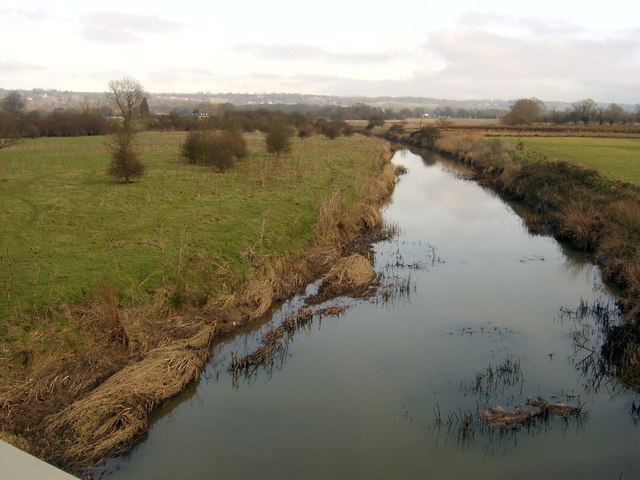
(382,391)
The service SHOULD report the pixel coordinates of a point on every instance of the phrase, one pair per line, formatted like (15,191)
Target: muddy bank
(79,411)
(576,205)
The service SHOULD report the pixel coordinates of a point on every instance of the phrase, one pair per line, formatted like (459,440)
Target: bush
(218,149)
(124,160)
(376,120)
(335,128)
(278,137)
(426,137)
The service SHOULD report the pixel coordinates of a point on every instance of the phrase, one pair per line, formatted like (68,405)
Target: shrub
(426,137)
(305,130)
(278,137)
(218,149)
(376,120)
(335,128)
(124,159)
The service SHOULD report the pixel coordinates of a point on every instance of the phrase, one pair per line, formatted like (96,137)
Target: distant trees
(13,103)
(524,111)
(144,108)
(614,113)
(10,132)
(585,111)
(125,96)
(588,111)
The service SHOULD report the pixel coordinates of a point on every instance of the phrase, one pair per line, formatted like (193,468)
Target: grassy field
(67,226)
(617,158)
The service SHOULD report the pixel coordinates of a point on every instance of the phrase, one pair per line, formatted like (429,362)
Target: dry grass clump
(460,144)
(107,305)
(329,217)
(582,224)
(334,310)
(16,441)
(376,190)
(350,274)
(400,170)
(489,155)
(103,422)
(508,420)
(273,345)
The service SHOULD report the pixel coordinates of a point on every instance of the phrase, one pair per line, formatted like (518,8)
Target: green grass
(66,225)
(616,158)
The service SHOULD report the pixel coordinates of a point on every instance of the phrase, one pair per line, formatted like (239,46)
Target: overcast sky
(458,49)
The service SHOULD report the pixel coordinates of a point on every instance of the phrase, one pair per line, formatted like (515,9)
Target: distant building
(199,114)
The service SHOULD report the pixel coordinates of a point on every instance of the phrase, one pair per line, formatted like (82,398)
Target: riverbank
(577,205)
(78,405)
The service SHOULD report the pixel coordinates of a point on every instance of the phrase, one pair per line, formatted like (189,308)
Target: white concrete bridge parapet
(18,465)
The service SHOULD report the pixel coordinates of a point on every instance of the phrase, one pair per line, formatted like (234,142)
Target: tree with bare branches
(125,96)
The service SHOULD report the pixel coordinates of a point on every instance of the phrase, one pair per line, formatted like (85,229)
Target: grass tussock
(581,224)
(108,307)
(348,275)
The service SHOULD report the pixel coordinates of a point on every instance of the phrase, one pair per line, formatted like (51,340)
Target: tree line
(526,111)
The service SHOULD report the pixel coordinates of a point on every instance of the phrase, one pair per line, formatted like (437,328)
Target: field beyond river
(99,277)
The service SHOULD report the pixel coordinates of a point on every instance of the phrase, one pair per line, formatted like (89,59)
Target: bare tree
(13,103)
(125,96)
(585,110)
(615,113)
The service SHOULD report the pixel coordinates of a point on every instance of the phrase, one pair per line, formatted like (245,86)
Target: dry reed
(347,275)
(102,423)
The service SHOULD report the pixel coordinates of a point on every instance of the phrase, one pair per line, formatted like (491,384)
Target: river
(487,316)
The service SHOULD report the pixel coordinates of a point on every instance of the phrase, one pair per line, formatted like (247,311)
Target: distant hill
(43,99)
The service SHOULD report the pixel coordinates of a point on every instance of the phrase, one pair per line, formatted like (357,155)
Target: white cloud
(545,49)
(535,25)
(24,14)
(12,66)
(114,27)
(296,52)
